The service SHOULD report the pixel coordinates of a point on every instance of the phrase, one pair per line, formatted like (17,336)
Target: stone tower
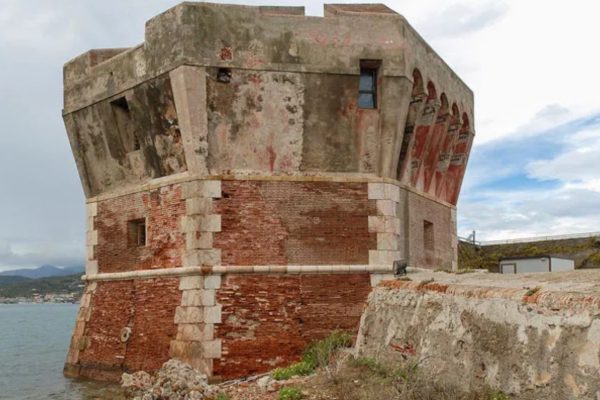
(250,172)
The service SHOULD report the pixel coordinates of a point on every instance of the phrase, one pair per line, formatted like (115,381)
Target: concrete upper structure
(289,105)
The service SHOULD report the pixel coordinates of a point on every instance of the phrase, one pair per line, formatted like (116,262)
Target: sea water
(34,339)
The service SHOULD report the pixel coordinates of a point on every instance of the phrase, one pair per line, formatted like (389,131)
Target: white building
(521,265)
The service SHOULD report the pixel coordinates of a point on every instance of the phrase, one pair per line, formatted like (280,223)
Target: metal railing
(538,239)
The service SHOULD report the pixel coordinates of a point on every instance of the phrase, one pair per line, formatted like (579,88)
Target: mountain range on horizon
(45,271)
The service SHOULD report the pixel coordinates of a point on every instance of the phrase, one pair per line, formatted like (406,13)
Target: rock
(175,380)
(264,382)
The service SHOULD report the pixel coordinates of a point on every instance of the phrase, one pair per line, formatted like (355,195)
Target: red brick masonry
(162,208)
(267,320)
(148,308)
(294,223)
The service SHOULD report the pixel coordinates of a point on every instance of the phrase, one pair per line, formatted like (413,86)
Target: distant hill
(44,271)
(9,279)
(42,286)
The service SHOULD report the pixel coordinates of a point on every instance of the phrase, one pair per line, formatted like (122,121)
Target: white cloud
(578,166)
(529,64)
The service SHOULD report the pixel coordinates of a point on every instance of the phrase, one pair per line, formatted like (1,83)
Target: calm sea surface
(34,339)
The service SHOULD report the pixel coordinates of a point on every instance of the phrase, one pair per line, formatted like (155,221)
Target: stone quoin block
(383,257)
(194,258)
(212,315)
(212,282)
(198,297)
(376,191)
(91,267)
(198,240)
(188,315)
(198,206)
(392,192)
(191,282)
(91,209)
(195,332)
(386,208)
(387,241)
(92,238)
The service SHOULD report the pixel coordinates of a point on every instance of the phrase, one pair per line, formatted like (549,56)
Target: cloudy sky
(533,64)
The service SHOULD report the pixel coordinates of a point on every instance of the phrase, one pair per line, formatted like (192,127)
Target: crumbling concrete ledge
(533,336)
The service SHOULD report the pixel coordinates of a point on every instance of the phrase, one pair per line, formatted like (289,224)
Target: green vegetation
(10,279)
(370,379)
(298,369)
(316,355)
(498,395)
(290,393)
(222,396)
(585,252)
(42,286)
(532,291)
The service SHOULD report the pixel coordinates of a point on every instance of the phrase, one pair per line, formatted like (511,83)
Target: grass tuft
(316,355)
(290,393)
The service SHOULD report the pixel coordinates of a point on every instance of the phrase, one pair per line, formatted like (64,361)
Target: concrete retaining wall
(529,341)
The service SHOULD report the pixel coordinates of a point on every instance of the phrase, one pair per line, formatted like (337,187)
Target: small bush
(371,364)
(316,355)
(290,393)
(300,368)
(319,353)
(222,396)
(499,395)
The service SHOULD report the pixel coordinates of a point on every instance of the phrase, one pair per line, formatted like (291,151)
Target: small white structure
(523,265)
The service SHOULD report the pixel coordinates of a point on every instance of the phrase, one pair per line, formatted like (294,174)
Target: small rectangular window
(137,232)
(367,86)
(428,235)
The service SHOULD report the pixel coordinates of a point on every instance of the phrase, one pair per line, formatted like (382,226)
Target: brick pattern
(267,320)
(294,223)
(145,306)
(162,208)
(195,318)
(444,252)
(386,223)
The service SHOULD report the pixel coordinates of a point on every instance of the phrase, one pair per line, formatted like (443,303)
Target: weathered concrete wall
(288,106)
(268,320)
(127,139)
(483,329)
(294,223)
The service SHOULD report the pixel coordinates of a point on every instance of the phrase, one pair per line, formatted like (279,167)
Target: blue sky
(533,66)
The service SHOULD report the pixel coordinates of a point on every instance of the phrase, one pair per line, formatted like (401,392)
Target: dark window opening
(137,232)
(121,104)
(124,124)
(367,86)
(224,75)
(428,235)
